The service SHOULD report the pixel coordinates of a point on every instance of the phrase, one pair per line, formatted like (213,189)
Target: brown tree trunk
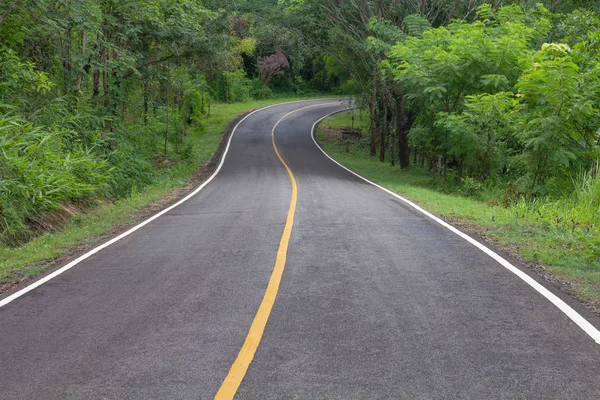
(146,101)
(116,93)
(168,96)
(79,81)
(383,134)
(96,89)
(65,55)
(394,133)
(405,122)
(372,111)
(104,62)
(105,79)
(8,11)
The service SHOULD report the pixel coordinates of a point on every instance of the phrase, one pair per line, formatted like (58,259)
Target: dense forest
(95,96)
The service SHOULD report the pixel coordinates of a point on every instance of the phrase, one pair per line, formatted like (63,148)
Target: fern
(416,25)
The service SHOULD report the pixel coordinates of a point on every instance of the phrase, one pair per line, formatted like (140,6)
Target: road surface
(376,300)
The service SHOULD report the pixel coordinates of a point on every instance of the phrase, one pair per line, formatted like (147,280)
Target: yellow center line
(238,370)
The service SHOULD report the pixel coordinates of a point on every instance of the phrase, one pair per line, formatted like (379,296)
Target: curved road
(376,300)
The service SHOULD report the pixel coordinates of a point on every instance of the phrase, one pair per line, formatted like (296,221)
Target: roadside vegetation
(557,237)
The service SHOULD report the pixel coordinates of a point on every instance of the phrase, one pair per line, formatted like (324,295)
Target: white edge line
(586,326)
(73,263)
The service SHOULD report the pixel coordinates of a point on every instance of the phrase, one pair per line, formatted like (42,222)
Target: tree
(440,69)
(271,66)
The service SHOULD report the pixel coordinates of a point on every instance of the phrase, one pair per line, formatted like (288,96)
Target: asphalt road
(376,300)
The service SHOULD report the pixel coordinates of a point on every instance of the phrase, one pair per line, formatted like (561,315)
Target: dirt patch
(52,221)
(56,220)
(330,134)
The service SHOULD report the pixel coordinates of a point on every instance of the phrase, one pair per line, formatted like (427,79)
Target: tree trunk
(116,93)
(79,81)
(372,111)
(383,134)
(96,91)
(104,63)
(146,101)
(405,122)
(394,133)
(65,54)
(8,11)
(105,79)
(167,127)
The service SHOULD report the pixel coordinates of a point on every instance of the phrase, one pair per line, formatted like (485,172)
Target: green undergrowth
(559,235)
(86,227)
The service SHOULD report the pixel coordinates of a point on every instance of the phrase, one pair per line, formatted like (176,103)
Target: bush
(129,173)
(260,91)
(239,86)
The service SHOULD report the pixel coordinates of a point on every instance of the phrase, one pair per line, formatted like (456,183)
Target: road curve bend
(373,300)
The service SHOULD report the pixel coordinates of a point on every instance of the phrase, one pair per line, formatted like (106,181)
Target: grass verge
(96,224)
(559,239)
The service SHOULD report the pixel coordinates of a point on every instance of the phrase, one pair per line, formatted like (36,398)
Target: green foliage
(19,79)
(415,25)
(481,136)
(491,105)
(385,30)
(259,91)
(442,75)
(559,102)
(573,27)
(239,86)
(128,174)
(449,63)
(37,176)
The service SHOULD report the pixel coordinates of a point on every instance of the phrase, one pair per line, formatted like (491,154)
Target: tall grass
(573,220)
(42,167)
(586,197)
(65,151)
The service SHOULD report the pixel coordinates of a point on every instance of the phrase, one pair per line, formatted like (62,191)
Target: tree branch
(9,10)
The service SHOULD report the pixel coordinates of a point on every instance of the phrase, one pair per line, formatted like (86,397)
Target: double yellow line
(240,366)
